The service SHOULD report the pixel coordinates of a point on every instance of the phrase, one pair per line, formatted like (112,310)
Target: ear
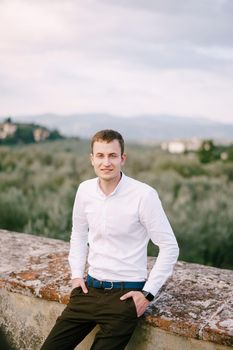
(92,159)
(123,159)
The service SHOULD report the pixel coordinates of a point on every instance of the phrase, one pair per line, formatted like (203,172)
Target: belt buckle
(110,288)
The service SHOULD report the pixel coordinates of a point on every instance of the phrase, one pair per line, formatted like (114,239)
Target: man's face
(107,160)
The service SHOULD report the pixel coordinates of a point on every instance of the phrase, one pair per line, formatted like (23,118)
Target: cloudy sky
(124,57)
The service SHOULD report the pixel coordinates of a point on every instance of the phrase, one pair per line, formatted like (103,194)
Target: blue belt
(107,285)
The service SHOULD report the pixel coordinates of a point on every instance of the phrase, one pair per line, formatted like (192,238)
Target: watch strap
(148,295)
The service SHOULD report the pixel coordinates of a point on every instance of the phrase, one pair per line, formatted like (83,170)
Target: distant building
(7,128)
(181,146)
(40,134)
(224,156)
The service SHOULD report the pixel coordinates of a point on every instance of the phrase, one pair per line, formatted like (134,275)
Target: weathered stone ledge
(197,302)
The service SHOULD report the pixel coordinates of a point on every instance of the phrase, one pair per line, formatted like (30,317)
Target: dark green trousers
(117,320)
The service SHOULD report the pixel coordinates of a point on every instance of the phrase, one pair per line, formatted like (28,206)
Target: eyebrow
(109,154)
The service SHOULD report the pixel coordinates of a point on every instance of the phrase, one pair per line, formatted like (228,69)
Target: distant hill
(12,133)
(141,127)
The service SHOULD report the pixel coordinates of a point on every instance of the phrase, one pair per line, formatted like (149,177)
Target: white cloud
(216,52)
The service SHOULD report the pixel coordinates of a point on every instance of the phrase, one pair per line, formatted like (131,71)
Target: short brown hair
(108,135)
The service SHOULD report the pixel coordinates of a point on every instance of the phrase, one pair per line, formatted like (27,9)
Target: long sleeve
(79,237)
(159,230)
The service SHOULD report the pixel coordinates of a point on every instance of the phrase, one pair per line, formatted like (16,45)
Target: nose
(106,161)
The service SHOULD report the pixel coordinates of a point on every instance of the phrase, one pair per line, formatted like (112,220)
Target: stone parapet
(195,306)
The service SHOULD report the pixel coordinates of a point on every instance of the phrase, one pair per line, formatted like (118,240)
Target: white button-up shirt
(117,228)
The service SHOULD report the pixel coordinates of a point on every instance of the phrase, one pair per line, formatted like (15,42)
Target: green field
(38,185)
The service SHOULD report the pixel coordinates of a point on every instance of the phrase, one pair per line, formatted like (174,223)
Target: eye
(99,155)
(113,155)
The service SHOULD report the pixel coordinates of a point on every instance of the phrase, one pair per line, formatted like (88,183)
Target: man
(114,216)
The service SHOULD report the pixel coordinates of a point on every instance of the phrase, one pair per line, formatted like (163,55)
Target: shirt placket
(104,218)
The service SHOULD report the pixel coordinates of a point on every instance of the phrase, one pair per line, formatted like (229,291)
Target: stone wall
(193,311)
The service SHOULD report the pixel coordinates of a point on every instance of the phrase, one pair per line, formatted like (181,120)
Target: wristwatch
(148,295)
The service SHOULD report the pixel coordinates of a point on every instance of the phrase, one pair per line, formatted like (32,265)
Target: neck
(109,186)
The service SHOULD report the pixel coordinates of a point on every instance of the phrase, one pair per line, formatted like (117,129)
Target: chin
(107,176)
